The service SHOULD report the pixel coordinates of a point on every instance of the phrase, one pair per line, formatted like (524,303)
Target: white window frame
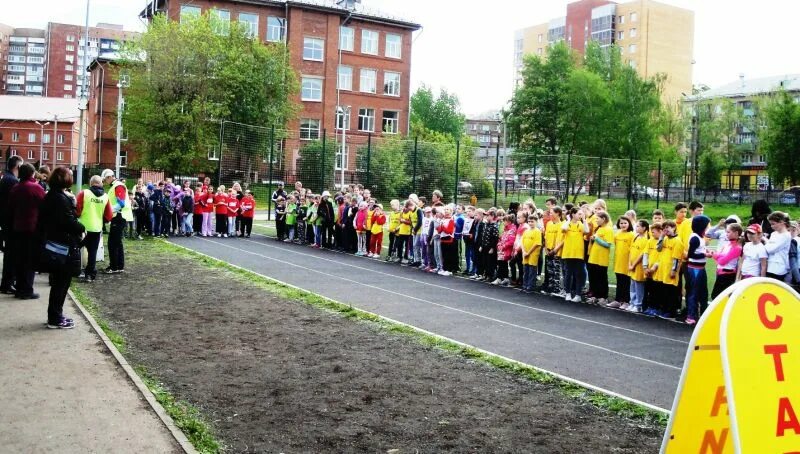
(311,88)
(31,137)
(339,157)
(223,24)
(15,136)
(394,49)
(251,27)
(60,156)
(46,138)
(45,155)
(276,33)
(388,85)
(186,11)
(67,87)
(61,139)
(344,79)
(620,35)
(347,38)
(70,48)
(345,117)
(395,121)
(313,45)
(306,126)
(369,39)
(70,38)
(364,80)
(632,49)
(13,152)
(366,122)
(30,154)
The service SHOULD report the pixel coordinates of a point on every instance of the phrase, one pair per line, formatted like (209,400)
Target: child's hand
(672,274)
(631,267)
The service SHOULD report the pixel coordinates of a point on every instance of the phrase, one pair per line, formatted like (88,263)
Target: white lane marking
(561,314)
(455,309)
(439,336)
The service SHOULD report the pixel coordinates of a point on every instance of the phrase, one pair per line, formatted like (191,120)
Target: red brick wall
(579,15)
(101,146)
(22,146)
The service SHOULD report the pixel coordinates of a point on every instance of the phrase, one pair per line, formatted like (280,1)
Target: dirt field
(282,376)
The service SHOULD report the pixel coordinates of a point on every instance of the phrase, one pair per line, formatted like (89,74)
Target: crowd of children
(555,250)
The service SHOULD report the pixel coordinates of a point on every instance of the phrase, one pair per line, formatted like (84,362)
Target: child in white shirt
(754,255)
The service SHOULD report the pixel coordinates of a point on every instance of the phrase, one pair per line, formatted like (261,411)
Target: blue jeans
(697,296)
(187,223)
(528,277)
(637,293)
(155,222)
(317,235)
(469,257)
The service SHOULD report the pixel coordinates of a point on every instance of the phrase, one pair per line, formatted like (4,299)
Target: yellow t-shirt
(592,222)
(369,219)
(599,255)
(638,248)
(652,255)
(394,221)
(532,240)
(622,249)
(573,241)
(559,238)
(684,231)
(670,250)
(405,229)
(551,231)
(376,229)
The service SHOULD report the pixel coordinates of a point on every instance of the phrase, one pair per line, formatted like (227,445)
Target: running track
(634,356)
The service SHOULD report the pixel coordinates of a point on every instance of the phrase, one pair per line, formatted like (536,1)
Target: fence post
(658,186)
(269,180)
(686,177)
(569,175)
(219,160)
(630,181)
(414,168)
(455,194)
(533,178)
(322,174)
(600,180)
(369,157)
(496,172)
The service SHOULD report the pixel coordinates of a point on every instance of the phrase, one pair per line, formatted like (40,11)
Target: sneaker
(448,273)
(576,299)
(505,282)
(614,305)
(388,258)
(690,321)
(287,240)
(649,312)
(8,290)
(225,235)
(591,300)
(566,296)
(496,281)
(634,309)
(442,273)
(109,271)
(665,315)
(29,296)
(63,324)
(602,302)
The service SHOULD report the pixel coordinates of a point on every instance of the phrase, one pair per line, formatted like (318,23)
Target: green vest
(93,209)
(127,211)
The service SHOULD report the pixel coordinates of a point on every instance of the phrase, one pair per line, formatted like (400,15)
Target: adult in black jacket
(328,216)
(57,223)
(8,181)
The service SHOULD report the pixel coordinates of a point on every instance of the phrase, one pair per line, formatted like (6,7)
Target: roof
(31,108)
(359,11)
(751,87)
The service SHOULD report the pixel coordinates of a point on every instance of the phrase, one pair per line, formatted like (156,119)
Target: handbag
(60,258)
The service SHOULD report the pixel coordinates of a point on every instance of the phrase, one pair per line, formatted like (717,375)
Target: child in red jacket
(447,230)
(233,212)
(360,223)
(221,210)
(376,230)
(248,209)
(505,249)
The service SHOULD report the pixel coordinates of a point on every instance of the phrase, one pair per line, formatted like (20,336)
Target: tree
(711,165)
(185,77)
(780,138)
(315,164)
(440,114)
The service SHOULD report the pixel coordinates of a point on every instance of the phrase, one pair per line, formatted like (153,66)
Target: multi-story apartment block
(47,62)
(492,153)
(652,37)
(344,55)
(752,175)
(39,129)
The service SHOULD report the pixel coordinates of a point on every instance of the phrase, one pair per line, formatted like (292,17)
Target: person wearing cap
(123,213)
(754,255)
(727,257)
(720,231)
(279,192)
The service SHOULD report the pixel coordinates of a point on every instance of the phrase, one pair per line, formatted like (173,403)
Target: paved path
(628,354)
(62,391)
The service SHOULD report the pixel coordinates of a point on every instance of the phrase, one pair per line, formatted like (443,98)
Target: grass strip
(186,416)
(616,405)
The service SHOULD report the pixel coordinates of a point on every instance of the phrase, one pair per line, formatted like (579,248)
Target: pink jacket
(505,245)
(728,258)
(361,220)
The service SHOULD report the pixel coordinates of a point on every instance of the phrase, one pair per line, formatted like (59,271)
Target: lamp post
(83,103)
(41,140)
(345,113)
(122,83)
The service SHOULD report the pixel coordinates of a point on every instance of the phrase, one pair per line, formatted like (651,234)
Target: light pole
(83,103)
(122,83)
(345,113)
(41,140)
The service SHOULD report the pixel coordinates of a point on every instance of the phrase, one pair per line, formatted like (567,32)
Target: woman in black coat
(57,223)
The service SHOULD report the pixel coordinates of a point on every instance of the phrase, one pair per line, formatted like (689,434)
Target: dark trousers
(490,265)
(166,220)
(478,263)
(24,245)
(222,224)
(8,260)
(174,221)
(239,219)
(671,302)
(598,280)
(59,285)
(197,223)
(529,278)
(623,288)
(247,226)
(327,235)
(116,252)
(91,243)
(516,267)
(392,237)
(450,256)
(552,274)
(722,282)
(280,228)
(502,269)
(400,241)
(339,232)
(574,276)
(652,299)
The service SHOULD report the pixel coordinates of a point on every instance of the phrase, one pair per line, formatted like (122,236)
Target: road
(631,355)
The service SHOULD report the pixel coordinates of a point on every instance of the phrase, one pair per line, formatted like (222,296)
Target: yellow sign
(699,420)
(761,360)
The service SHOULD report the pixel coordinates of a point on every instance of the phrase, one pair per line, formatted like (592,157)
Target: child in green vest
(291,218)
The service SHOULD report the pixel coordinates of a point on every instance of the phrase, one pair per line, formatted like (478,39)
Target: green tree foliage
(710,167)
(186,77)
(780,138)
(718,122)
(440,113)
(315,168)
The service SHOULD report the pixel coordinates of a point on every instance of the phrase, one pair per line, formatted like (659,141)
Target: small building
(39,129)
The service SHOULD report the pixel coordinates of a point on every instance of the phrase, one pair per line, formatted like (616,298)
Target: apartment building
(39,129)
(488,130)
(47,62)
(652,37)
(101,115)
(345,56)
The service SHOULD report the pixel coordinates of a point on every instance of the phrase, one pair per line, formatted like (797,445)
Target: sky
(466,46)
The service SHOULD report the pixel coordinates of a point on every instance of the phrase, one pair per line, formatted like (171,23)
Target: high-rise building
(652,37)
(47,62)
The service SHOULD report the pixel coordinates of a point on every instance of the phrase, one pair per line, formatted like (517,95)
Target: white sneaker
(566,296)
(576,299)
(504,282)
(496,281)
(634,309)
(448,273)
(442,273)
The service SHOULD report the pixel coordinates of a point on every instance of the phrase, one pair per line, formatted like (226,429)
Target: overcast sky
(466,46)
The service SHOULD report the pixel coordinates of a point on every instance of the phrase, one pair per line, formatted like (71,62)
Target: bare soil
(273,375)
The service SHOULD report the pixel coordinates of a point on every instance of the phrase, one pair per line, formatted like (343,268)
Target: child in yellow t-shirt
(552,260)
(394,225)
(666,294)
(652,264)
(622,248)
(531,248)
(572,254)
(599,258)
(636,267)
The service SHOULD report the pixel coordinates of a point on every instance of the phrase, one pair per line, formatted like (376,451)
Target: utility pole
(55,141)
(41,140)
(83,103)
(120,105)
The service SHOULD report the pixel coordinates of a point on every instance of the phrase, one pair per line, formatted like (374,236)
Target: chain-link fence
(392,167)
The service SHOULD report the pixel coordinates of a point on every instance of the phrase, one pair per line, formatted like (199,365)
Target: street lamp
(41,140)
(345,113)
(122,83)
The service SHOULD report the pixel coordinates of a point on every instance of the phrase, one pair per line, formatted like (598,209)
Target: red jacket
(505,245)
(221,204)
(199,201)
(233,206)
(447,230)
(248,206)
(23,203)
